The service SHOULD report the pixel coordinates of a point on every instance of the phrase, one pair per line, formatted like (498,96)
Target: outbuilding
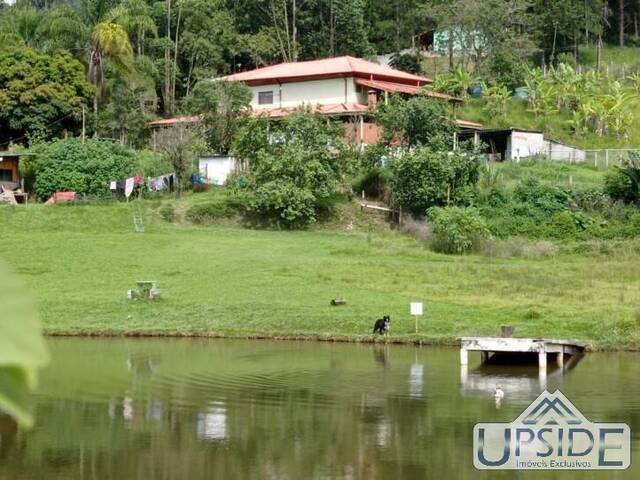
(519,143)
(216,168)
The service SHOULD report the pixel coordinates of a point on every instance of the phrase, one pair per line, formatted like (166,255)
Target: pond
(218,409)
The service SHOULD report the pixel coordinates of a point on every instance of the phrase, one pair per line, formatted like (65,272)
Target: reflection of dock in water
(510,362)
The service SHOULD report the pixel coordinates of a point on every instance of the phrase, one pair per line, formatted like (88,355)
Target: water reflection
(212,424)
(216,409)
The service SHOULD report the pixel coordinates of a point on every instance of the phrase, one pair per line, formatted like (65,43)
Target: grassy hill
(221,279)
(555,125)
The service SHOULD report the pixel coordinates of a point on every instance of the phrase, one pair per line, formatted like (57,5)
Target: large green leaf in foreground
(22,348)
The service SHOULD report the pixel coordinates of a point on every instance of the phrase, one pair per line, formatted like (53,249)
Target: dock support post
(484,356)
(542,358)
(560,359)
(464,356)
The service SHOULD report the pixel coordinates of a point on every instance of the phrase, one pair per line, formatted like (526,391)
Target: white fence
(609,157)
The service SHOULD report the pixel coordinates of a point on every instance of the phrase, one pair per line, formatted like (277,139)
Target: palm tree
(108,41)
(135,17)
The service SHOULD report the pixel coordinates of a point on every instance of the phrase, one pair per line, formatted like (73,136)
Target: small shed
(519,143)
(216,168)
(9,170)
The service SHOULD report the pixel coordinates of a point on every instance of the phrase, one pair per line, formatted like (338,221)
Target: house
(345,88)
(517,143)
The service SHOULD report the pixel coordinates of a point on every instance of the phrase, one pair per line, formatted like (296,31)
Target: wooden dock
(541,346)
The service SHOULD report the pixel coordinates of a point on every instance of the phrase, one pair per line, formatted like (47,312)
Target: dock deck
(541,346)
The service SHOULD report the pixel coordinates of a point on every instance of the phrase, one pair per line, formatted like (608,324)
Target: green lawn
(79,262)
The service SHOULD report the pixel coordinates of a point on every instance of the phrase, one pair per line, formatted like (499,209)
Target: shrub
(623,183)
(86,168)
(456,228)
(209,212)
(293,171)
(168,213)
(151,164)
(562,225)
(374,183)
(547,198)
(417,122)
(426,178)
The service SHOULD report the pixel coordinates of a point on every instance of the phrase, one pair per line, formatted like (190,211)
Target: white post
(464,356)
(542,358)
(560,360)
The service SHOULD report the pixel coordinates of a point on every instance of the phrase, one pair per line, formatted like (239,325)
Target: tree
(83,167)
(350,29)
(292,167)
(180,147)
(417,122)
(108,41)
(41,95)
(221,105)
(43,30)
(424,178)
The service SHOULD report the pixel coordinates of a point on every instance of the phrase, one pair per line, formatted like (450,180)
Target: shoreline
(590,346)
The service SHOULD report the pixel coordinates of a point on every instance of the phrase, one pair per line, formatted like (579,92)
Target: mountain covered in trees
(120,64)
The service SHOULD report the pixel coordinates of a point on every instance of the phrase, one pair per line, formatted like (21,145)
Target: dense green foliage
(419,121)
(623,182)
(145,58)
(222,105)
(85,168)
(456,228)
(41,95)
(293,168)
(424,178)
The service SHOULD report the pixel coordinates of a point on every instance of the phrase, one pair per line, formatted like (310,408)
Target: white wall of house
(525,144)
(312,92)
(216,168)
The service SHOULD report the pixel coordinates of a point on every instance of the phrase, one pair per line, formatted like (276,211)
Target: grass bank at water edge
(220,280)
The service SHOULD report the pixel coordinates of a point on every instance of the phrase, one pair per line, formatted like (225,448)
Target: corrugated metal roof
(337,67)
(169,122)
(403,88)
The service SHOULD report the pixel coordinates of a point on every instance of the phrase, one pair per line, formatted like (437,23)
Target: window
(265,98)
(6,175)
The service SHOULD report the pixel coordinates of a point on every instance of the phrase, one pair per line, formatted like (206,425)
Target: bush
(85,168)
(374,183)
(549,199)
(151,164)
(426,178)
(292,180)
(623,183)
(168,213)
(456,228)
(417,122)
(203,213)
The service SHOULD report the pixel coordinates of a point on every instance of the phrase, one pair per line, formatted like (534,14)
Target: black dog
(382,325)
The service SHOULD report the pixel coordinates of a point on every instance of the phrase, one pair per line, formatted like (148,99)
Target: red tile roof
(331,109)
(338,67)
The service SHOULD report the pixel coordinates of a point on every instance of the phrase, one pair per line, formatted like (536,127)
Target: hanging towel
(128,186)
